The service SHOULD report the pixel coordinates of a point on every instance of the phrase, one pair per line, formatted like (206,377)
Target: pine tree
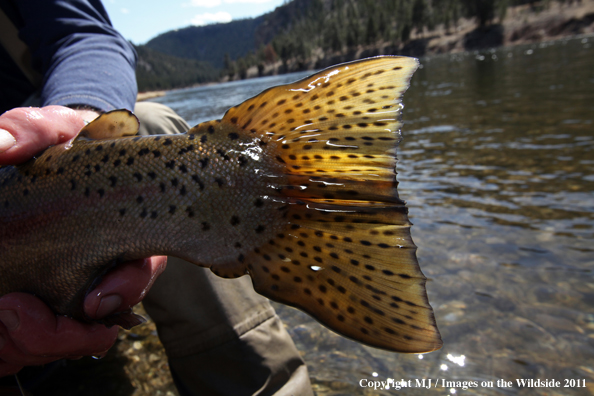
(371,32)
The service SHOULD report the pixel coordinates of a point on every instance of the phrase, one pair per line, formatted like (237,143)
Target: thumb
(25,131)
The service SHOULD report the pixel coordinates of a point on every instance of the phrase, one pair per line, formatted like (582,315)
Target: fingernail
(10,319)
(108,305)
(6,140)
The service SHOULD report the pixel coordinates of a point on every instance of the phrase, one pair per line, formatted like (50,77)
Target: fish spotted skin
(295,187)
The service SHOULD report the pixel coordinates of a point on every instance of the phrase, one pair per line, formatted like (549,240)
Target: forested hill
(209,43)
(157,71)
(303,34)
(198,54)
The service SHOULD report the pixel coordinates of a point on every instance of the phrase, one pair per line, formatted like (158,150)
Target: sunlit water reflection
(497,166)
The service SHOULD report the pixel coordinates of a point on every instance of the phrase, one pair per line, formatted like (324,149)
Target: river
(497,166)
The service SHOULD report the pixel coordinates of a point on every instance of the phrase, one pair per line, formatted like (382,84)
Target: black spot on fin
(346,256)
(355,270)
(334,103)
(113,124)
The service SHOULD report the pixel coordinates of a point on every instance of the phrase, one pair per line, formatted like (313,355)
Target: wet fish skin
(295,187)
(155,195)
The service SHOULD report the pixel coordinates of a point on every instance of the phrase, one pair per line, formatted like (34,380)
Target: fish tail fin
(345,255)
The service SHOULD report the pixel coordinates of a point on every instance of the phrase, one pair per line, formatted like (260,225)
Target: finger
(33,129)
(11,355)
(124,287)
(8,369)
(35,335)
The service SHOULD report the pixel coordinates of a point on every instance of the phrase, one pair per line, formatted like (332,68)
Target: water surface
(497,166)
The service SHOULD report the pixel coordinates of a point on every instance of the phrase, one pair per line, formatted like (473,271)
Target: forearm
(83,59)
(93,72)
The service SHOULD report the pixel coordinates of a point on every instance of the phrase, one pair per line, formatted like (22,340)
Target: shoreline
(522,25)
(150,95)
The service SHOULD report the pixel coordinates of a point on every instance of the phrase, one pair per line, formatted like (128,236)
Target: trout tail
(346,255)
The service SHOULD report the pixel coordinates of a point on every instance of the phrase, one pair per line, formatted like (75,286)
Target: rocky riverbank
(521,25)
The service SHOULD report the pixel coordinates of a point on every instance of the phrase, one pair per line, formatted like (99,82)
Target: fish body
(198,196)
(295,187)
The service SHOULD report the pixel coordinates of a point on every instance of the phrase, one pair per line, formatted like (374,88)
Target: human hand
(25,131)
(30,332)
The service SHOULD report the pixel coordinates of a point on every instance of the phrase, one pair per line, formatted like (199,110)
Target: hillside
(209,43)
(157,71)
(309,34)
(235,39)
(334,31)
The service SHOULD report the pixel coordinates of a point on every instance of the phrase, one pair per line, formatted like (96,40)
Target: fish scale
(156,195)
(295,187)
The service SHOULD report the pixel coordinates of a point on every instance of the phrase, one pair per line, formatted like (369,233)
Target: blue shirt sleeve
(83,59)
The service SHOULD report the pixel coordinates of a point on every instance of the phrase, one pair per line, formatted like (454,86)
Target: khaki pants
(221,337)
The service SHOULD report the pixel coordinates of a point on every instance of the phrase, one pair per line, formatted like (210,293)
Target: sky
(141,20)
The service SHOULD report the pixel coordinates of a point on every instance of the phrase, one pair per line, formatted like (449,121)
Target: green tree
(404,17)
(485,10)
(371,31)
(420,14)
(353,34)
(383,28)
(229,66)
(227,61)
(269,54)
(332,37)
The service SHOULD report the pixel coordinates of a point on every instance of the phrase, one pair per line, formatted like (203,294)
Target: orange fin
(353,269)
(346,255)
(113,124)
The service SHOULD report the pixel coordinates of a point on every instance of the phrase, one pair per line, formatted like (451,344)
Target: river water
(497,166)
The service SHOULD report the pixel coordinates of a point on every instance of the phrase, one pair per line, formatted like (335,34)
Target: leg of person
(158,119)
(221,337)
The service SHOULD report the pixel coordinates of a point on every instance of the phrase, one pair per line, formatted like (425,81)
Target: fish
(295,187)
